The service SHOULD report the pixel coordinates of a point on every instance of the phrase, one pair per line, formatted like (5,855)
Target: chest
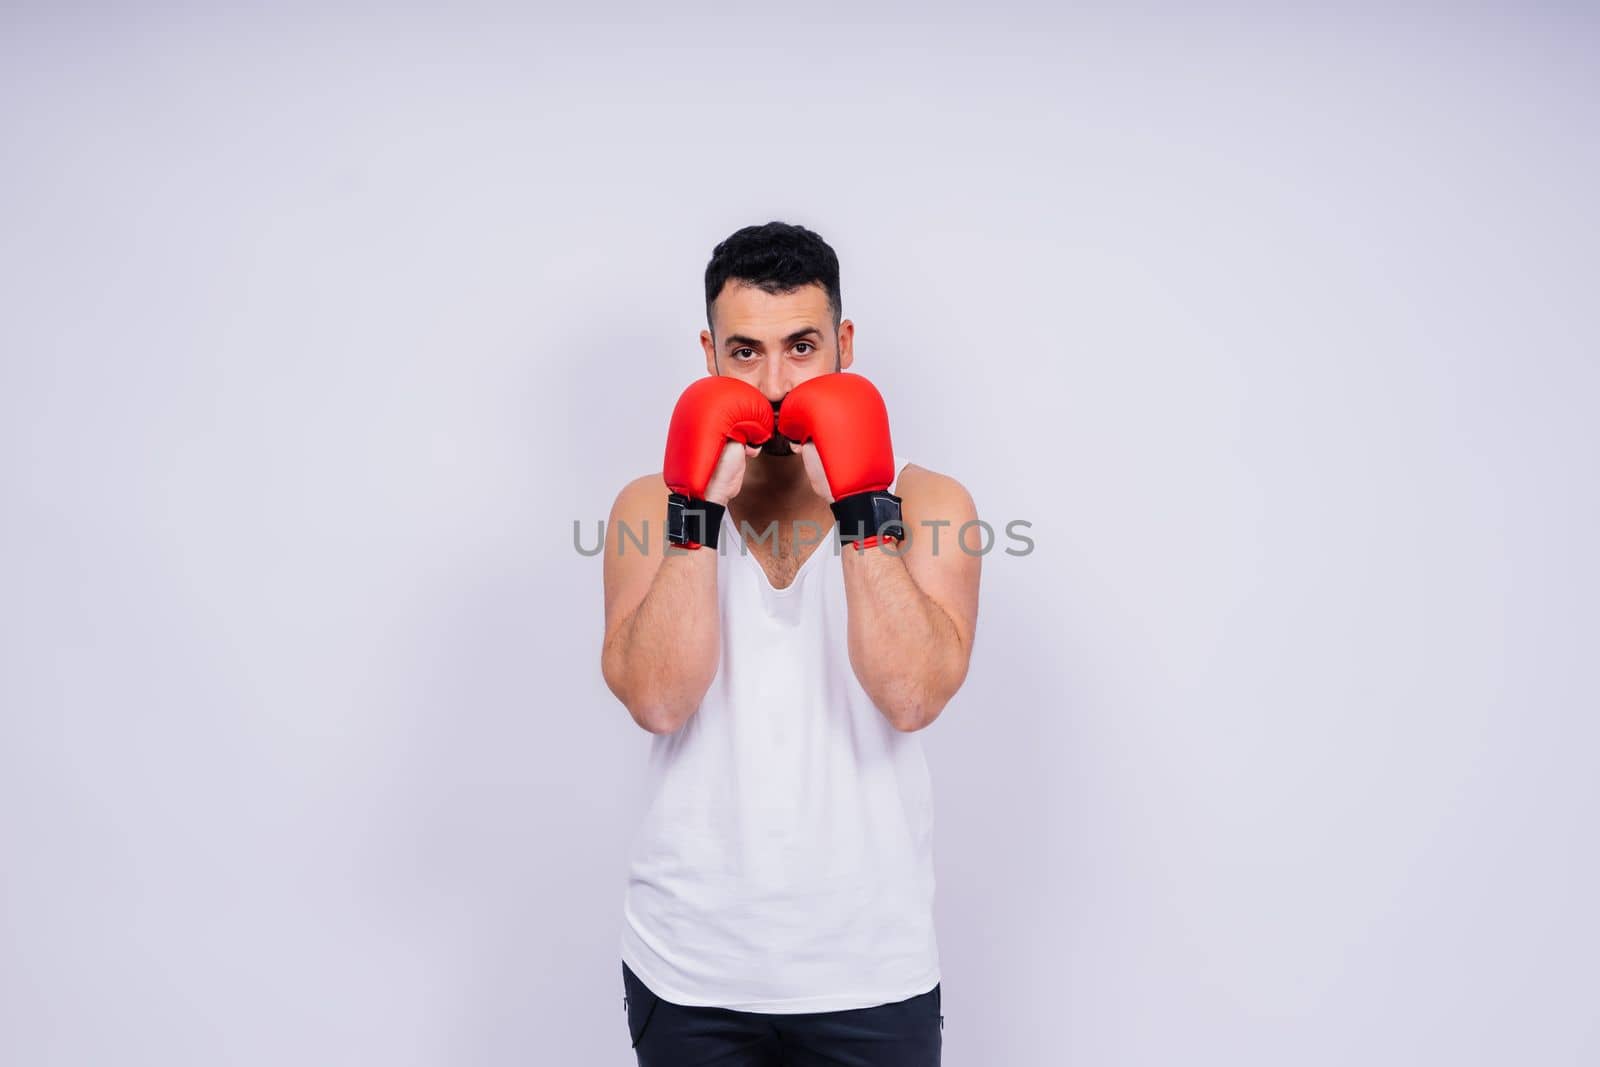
(782,544)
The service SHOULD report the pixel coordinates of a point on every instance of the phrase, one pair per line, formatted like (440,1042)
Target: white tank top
(785,860)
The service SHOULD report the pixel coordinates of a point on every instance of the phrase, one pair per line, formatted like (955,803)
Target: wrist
(884,541)
(872,516)
(693,522)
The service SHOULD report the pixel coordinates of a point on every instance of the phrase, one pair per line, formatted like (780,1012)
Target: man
(811,608)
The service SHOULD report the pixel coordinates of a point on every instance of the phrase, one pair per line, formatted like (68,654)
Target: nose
(774,385)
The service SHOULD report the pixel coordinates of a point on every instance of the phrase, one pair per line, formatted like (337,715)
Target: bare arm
(913,618)
(662,627)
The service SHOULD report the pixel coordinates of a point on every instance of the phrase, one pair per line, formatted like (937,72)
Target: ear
(847,345)
(711,351)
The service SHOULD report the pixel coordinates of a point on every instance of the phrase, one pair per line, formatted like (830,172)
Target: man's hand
(815,472)
(728,477)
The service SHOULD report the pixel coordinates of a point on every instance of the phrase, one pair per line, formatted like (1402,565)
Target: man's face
(775,341)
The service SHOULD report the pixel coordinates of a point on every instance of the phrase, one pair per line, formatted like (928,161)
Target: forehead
(754,312)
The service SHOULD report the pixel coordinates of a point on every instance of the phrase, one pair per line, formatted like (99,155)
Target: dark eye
(743,353)
(804,348)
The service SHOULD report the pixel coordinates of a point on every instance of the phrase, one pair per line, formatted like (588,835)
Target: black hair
(777,257)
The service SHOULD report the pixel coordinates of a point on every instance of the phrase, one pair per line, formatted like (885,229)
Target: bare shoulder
(933,495)
(639,511)
(634,545)
(937,511)
(640,496)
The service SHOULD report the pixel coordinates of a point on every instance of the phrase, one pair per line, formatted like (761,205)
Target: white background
(318,332)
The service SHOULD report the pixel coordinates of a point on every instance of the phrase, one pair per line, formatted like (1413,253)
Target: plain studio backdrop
(320,332)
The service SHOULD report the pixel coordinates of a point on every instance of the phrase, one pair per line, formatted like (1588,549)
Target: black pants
(907,1033)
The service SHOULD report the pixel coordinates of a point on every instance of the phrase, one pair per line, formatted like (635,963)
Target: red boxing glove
(844,416)
(709,414)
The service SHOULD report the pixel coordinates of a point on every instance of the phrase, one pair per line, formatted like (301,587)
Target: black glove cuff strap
(869,514)
(693,521)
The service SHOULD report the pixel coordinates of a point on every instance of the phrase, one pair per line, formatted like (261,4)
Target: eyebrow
(739,340)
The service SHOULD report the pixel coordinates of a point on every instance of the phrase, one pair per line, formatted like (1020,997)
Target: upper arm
(945,565)
(638,517)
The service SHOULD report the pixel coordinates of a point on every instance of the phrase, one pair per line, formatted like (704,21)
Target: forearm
(906,651)
(661,659)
